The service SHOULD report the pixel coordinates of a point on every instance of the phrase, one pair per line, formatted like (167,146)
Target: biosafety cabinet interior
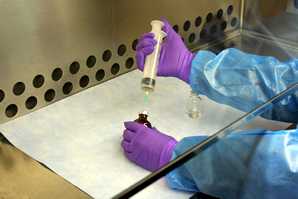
(51,51)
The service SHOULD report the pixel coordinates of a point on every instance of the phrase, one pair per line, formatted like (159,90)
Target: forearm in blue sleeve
(248,164)
(180,178)
(245,81)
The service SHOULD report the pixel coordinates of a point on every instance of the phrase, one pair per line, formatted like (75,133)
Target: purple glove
(147,147)
(175,59)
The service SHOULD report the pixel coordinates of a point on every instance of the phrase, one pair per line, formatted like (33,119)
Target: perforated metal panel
(53,49)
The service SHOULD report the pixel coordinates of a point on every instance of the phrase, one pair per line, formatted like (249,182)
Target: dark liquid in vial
(143,120)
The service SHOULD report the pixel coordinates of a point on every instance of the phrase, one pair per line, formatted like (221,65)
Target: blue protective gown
(250,164)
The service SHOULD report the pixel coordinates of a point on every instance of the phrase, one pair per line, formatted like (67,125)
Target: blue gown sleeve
(243,165)
(243,81)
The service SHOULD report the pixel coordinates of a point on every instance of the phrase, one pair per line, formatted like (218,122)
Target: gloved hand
(147,147)
(175,59)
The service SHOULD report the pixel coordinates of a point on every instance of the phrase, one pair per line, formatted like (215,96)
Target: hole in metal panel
(100,74)
(121,50)
(234,22)
(230,10)
(31,102)
(106,56)
(49,95)
(198,21)
(186,25)
(57,74)
(2,95)
(176,28)
(115,69)
(84,81)
(74,67)
(67,88)
(191,37)
(91,61)
(223,25)
(219,13)
(38,81)
(11,110)
(134,44)
(209,17)
(19,88)
(129,62)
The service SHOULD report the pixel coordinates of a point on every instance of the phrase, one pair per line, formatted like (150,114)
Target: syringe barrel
(152,60)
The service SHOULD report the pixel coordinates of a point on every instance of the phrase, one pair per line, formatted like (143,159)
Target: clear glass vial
(194,106)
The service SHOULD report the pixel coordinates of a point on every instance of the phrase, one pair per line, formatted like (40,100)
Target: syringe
(152,60)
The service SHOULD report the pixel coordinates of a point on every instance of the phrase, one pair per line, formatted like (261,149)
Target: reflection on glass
(237,159)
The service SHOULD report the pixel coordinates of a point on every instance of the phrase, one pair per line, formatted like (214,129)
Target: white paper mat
(79,137)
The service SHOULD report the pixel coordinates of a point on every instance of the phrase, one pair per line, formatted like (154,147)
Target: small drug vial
(143,119)
(194,106)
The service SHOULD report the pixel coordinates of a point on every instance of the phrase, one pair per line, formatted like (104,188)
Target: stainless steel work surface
(79,137)
(24,178)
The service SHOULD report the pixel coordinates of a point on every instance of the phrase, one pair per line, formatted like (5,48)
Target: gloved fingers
(128,135)
(157,131)
(140,57)
(146,43)
(171,33)
(146,35)
(142,52)
(167,26)
(154,128)
(127,146)
(162,71)
(146,50)
(133,126)
(129,156)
